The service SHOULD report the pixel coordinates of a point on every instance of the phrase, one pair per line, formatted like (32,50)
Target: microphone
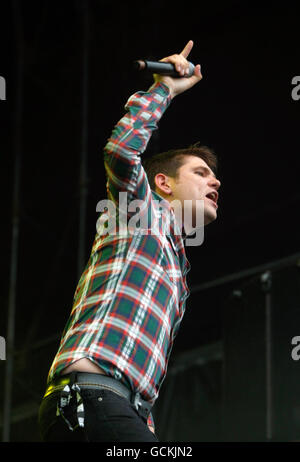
(158,67)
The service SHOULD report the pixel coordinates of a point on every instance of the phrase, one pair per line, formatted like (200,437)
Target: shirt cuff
(162,89)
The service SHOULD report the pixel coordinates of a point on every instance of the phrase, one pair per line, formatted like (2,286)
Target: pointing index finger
(187,49)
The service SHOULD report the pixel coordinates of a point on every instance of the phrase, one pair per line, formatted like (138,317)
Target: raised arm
(131,135)
(129,140)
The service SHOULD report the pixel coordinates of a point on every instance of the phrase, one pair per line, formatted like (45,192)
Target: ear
(163,183)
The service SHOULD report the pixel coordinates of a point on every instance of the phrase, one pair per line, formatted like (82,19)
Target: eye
(199,173)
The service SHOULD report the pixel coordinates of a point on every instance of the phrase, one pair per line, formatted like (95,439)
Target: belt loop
(73,378)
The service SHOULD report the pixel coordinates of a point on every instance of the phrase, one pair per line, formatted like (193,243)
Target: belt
(89,380)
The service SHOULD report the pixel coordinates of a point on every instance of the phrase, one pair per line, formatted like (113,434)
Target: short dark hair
(170,161)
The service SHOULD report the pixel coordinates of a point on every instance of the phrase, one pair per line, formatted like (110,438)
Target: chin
(209,215)
(209,218)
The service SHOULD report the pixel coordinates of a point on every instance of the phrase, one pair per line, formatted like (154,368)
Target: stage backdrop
(243,386)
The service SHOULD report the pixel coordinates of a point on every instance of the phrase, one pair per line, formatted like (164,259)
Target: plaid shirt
(130,299)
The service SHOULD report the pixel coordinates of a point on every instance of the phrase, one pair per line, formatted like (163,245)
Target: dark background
(242,108)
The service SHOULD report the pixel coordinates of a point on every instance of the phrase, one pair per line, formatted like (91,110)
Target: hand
(179,85)
(151,429)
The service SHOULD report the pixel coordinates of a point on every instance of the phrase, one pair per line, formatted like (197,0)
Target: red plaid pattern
(130,299)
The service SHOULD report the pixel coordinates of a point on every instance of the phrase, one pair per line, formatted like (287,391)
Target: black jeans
(108,417)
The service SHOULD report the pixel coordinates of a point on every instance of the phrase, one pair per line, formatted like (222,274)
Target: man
(130,299)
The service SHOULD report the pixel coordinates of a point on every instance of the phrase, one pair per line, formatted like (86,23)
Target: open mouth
(213,197)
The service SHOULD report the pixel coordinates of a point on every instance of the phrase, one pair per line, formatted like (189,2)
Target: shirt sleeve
(129,140)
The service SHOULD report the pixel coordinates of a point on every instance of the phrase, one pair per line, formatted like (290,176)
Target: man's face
(195,180)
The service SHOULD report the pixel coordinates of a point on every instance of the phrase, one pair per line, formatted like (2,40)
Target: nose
(214,183)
